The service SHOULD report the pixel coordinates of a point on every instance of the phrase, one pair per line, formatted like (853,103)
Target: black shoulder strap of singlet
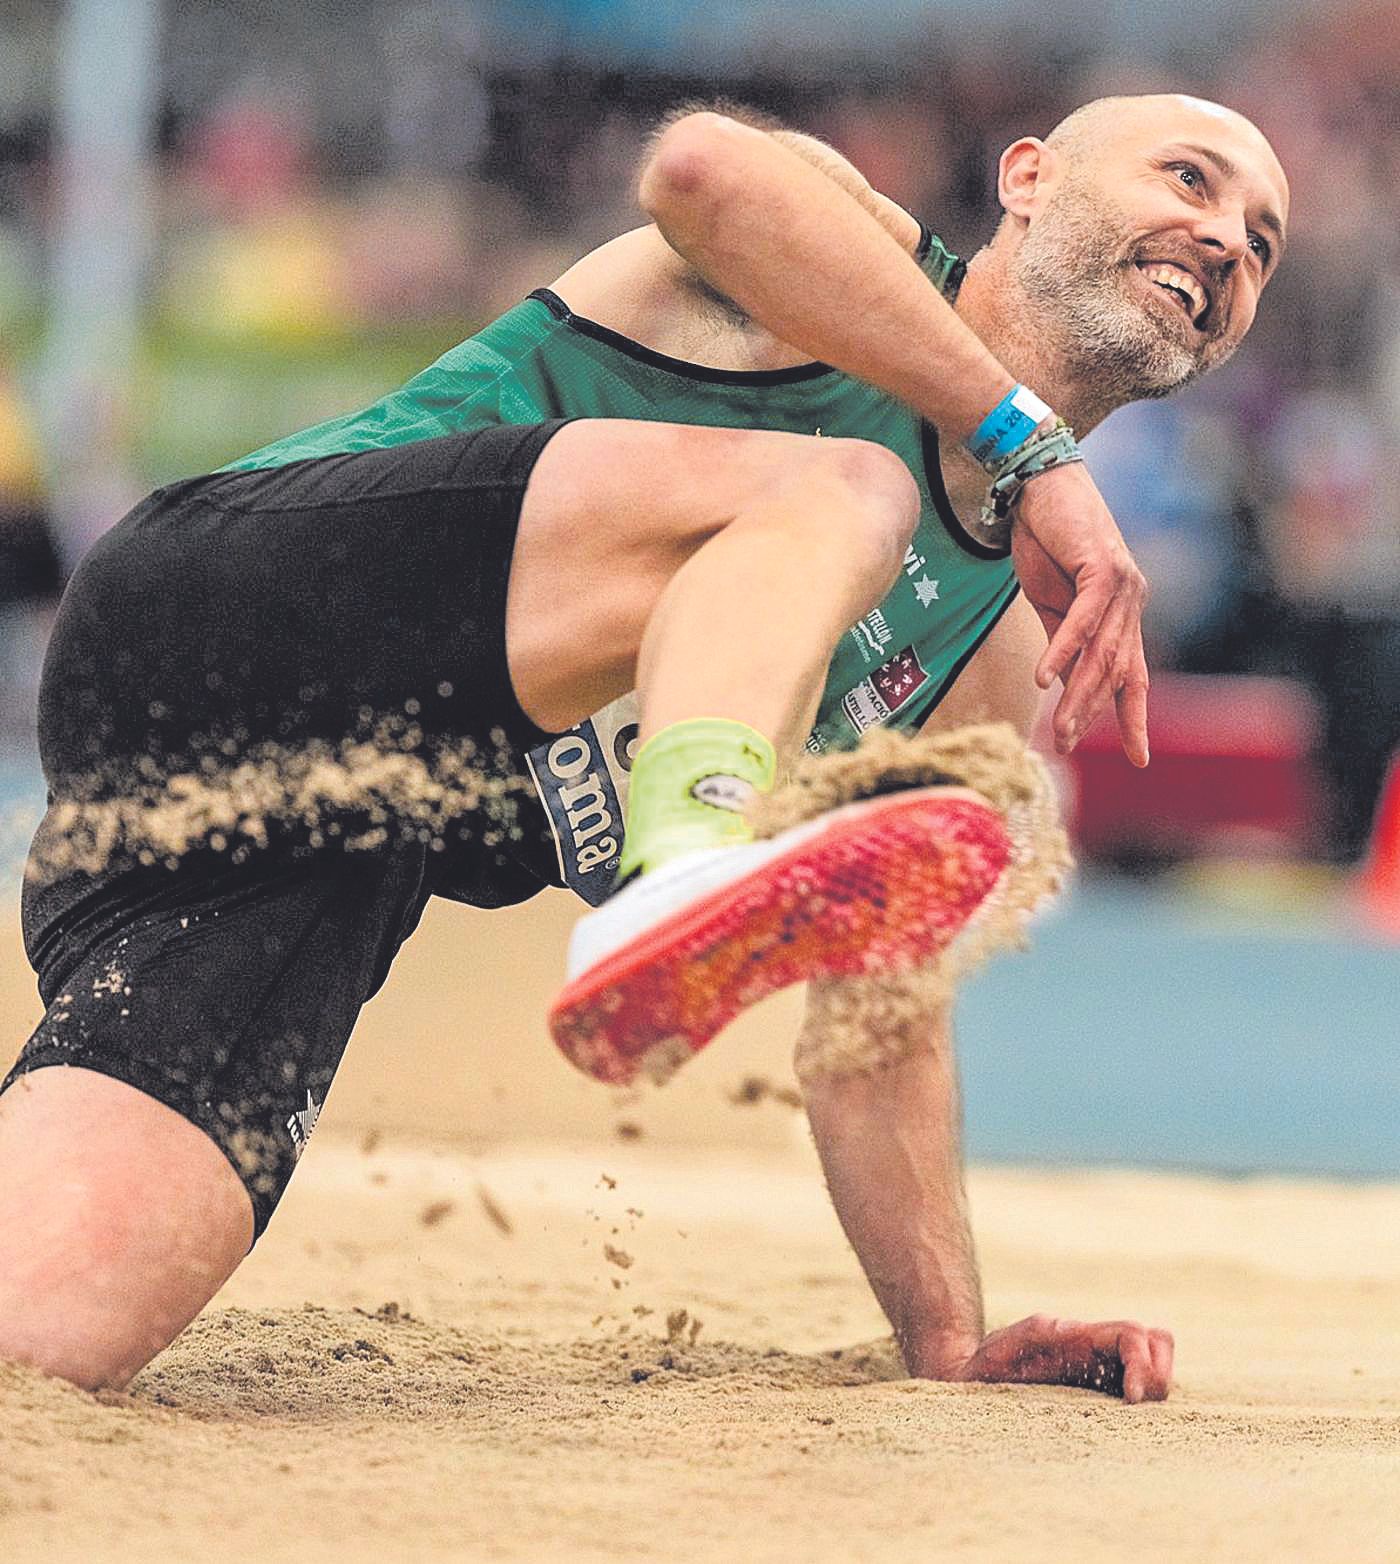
(675,366)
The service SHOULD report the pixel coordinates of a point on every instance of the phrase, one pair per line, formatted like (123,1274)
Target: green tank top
(540,361)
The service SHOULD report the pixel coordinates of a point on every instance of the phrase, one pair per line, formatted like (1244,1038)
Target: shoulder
(638,286)
(630,281)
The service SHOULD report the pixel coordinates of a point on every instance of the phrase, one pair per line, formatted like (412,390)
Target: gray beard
(1074,283)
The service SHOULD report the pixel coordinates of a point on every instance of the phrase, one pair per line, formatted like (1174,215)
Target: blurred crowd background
(328,195)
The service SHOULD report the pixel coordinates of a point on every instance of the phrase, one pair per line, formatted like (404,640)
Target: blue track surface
(1135,1032)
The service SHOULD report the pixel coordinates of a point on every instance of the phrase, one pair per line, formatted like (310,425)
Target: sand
(379,1383)
(433,1355)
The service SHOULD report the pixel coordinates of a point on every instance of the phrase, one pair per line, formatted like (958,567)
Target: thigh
(612,510)
(119,1220)
(227,993)
(998,684)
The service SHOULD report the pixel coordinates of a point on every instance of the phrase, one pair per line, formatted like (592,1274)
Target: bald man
(602,533)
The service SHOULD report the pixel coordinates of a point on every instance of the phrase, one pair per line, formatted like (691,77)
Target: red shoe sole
(884,887)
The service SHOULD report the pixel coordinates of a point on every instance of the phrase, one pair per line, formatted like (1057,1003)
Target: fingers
(1122,1358)
(1135,1354)
(1131,701)
(1076,630)
(1163,1350)
(1113,667)
(1065,539)
(1090,681)
(1146,1356)
(1113,1357)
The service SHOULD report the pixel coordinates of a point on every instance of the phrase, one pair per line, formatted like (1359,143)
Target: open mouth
(1181,286)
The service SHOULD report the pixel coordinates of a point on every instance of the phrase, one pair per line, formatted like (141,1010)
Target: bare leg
(119,1220)
(714,569)
(998,685)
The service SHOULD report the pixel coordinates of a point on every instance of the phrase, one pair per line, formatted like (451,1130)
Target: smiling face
(1145,230)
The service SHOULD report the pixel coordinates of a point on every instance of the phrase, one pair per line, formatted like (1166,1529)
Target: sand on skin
(514,1404)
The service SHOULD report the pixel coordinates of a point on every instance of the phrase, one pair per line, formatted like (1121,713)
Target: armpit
(710,297)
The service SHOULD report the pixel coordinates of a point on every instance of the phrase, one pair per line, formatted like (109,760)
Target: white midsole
(652,898)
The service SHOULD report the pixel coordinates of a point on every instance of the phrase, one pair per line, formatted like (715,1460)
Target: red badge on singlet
(876,698)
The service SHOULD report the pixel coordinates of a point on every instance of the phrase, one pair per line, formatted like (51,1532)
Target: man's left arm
(889,1139)
(890,1142)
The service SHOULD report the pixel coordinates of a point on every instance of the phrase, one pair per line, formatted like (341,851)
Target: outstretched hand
(1117,1357)
(1078,575)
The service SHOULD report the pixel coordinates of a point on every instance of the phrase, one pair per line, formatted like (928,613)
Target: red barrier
(1230,772)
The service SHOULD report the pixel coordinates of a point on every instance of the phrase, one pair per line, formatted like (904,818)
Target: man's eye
(1190,175)
(1260,248)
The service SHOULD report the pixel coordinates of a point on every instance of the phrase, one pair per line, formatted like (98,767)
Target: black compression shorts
(354,600)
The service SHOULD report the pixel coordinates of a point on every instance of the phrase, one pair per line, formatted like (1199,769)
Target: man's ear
(1028,172)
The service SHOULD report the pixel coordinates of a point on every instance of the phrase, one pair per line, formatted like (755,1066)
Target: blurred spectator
(438,115)
(1331,536)
(253,248)
(1170,473)
(30,571)
(29,566)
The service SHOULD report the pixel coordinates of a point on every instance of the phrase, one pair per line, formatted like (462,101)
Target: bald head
(1091,132)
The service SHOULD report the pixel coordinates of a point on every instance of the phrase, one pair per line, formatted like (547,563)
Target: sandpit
(462,1337)
(435,1355)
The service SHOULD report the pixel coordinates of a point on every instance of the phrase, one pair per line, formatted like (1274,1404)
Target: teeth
(1184,282)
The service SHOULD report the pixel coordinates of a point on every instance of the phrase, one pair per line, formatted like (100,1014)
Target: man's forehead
(1236,141)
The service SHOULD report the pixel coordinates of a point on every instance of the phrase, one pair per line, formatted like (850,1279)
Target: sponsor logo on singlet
(892,685)
(581,778)
(916,565)
(872,632)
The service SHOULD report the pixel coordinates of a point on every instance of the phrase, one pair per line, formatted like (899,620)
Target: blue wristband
(1009,424)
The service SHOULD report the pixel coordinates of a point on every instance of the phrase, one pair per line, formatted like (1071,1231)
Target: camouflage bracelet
(1056,448)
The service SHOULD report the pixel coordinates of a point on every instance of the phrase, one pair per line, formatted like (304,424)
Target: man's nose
(1224,232)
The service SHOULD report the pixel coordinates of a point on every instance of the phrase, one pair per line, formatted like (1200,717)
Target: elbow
(686,165)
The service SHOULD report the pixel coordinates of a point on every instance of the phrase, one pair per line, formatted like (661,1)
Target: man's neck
(990,303)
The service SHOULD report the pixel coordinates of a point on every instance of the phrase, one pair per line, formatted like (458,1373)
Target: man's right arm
(767,228)
(818,270)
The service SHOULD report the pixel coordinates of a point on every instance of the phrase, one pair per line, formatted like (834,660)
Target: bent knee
(885,496)
(65,1304)
(875,470)
(92,1295)
(119,1220)
(75,1355)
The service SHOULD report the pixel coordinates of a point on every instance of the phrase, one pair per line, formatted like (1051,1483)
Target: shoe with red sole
(877,886)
